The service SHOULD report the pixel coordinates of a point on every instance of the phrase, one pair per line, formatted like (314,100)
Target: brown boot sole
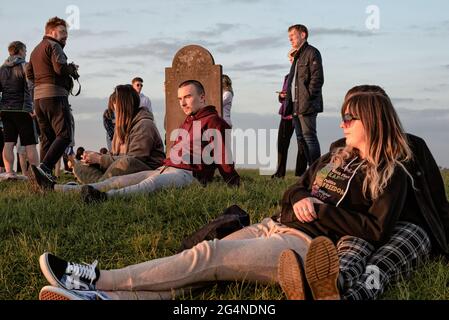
(290,275)
(322,269)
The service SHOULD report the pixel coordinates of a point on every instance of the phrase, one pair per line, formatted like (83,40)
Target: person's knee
(126,164)
(9,146)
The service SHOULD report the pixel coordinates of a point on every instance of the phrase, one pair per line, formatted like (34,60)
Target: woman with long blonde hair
(364,270)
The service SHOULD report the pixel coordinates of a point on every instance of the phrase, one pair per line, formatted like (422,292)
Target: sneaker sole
(322,269)
(48,274)
(54,293)
(290,275)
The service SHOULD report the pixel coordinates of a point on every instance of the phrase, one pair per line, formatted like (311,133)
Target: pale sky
(408,55)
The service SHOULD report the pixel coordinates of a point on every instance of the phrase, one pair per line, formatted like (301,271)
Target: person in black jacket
(16,108)
(364,271)
(357,191)
(52,76)
(304,86)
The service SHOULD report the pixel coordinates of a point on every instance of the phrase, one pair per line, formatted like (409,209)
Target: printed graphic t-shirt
(332,182)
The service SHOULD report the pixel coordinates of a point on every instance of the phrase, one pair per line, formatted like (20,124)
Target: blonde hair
(387,143)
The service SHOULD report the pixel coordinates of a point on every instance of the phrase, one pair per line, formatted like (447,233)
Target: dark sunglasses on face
(139,85)
(347,118)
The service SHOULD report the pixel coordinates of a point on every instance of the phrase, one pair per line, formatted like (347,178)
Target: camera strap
(79,89)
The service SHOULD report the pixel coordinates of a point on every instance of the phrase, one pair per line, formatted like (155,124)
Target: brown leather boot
(291,275)
(322,269)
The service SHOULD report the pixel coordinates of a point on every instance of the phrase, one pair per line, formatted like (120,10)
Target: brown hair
(199,87)
(110,111)
(387,143)
(300,28)
(14,47)
(53,23)
(137,79)
(127,103)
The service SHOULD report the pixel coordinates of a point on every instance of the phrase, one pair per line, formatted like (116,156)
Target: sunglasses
(139,85)
(347,118)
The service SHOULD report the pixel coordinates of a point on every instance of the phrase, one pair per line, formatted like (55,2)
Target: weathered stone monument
(190,63)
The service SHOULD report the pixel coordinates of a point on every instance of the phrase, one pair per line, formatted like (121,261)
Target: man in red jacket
(199,149)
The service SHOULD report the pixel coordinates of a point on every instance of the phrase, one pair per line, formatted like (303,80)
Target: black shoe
(40,180)
(90,194)
(68,275)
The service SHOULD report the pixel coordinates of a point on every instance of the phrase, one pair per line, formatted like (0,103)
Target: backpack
(232,219)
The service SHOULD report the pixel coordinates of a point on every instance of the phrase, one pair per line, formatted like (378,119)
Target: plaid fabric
(365,274)
(353,254)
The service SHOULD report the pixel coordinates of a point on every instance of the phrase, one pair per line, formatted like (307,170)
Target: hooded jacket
(143,143)
(425,205)
(355,214)
(429,195)
(195,139)
(16,91)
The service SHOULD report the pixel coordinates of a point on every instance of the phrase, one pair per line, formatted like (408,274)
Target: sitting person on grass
(364,271)
(136,145)
(359,190)
(198,150)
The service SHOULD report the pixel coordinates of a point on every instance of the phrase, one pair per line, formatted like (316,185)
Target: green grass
(123,232)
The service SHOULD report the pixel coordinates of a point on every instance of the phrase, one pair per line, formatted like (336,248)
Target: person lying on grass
(198,150)
(359,190)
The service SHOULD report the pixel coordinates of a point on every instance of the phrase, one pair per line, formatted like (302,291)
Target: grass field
(123,232)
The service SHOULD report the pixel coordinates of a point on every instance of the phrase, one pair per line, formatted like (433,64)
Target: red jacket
(195,149)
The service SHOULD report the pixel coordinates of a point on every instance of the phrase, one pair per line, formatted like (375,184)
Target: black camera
(75,75)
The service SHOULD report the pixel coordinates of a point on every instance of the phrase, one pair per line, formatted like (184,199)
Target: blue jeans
(305,128)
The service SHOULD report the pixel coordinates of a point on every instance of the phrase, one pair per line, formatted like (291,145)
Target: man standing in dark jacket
(304,95)
(51,74)
(16,107)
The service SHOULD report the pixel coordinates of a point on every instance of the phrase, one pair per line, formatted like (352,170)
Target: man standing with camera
(52,77)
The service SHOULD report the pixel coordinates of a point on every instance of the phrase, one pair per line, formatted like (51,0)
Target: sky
(402,46)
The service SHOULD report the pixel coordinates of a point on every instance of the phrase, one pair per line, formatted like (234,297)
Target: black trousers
(286,129)
(55,124)
(2,144)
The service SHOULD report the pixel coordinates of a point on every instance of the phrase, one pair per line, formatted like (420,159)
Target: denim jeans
(305,128)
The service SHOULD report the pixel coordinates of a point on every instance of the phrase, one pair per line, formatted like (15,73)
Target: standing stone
(190,63)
